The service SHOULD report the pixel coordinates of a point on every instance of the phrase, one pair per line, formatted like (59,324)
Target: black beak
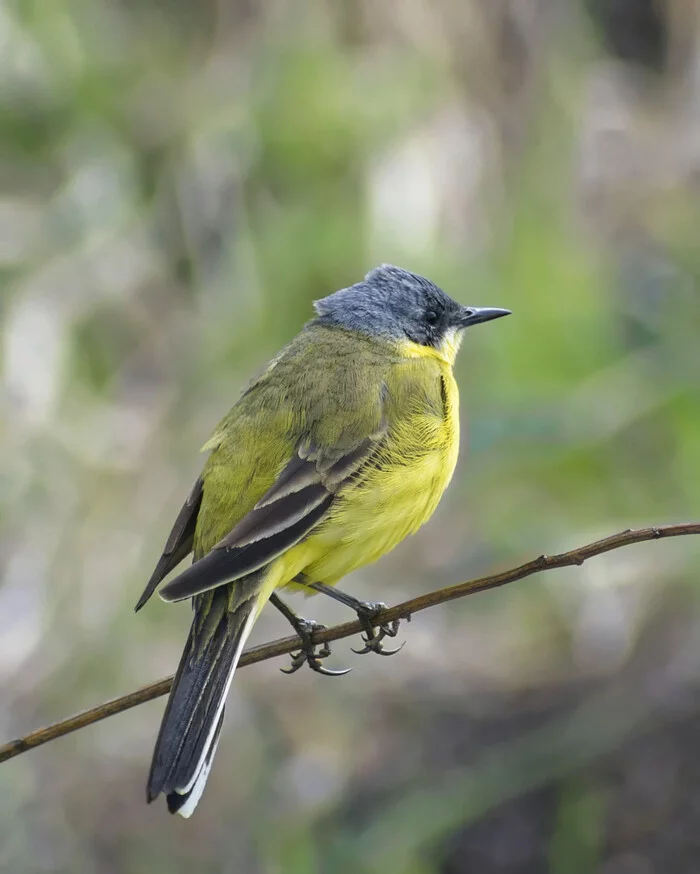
(469,316)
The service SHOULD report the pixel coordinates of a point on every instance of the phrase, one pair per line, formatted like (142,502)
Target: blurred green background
(179,182)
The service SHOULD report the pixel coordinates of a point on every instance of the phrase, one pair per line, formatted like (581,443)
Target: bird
(337,451)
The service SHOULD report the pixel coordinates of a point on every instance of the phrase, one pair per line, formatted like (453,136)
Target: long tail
(190,729)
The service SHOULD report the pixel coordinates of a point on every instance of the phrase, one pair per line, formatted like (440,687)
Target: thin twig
(400,611)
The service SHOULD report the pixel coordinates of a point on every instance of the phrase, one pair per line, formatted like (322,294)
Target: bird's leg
(366,612)
(308,654)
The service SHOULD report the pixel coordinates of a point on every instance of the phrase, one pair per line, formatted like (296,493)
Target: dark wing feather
(297,501)
(179,544)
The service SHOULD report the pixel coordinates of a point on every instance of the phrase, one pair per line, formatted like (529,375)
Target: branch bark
(400,611)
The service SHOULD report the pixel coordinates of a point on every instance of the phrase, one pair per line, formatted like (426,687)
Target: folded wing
(297,501)
(179,544)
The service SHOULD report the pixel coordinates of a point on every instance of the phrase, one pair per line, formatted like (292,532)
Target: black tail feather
(194,713)
(177,800)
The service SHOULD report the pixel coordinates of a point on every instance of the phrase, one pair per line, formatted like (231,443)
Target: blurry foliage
(178,182)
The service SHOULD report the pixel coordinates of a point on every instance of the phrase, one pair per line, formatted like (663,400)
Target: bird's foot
(375,634)
(311,654)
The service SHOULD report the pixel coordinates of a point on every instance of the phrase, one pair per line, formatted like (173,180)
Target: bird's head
(403,307)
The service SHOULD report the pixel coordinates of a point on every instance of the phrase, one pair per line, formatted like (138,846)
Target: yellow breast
(393,499)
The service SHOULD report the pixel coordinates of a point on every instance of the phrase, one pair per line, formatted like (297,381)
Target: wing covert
(296,502)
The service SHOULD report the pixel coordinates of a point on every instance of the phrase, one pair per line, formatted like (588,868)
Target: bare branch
(400,611)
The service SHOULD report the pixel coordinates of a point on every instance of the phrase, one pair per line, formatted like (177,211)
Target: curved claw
(302,658)
(373,642)
(375,645)
(308,655)
(327,672)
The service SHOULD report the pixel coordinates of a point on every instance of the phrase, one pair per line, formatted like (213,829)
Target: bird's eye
(431,317)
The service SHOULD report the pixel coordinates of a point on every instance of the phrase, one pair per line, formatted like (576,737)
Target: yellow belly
(386,505)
